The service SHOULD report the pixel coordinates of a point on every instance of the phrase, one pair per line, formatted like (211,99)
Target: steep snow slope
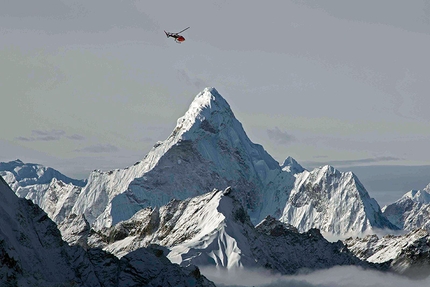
(207,149)
(407,254)
(334,202)
(411,211)
(33,254)
(54,192)
(214,229)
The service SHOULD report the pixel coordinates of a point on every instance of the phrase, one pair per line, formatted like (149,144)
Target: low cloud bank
(342,276)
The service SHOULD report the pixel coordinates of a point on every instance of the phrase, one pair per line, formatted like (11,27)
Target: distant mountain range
(259,214)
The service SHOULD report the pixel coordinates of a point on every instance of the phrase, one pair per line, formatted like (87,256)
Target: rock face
(32,253)
(334,202)
(411,211)
(408,254)
(214,229)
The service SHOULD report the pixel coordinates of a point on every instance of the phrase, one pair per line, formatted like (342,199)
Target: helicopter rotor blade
(183,30)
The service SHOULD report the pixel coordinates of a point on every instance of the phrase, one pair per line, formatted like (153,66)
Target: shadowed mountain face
(32,253)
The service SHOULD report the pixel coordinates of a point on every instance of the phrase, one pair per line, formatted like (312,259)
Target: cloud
(279,136)
(39,135)
(352,162)
(342,276)
(50,135)
(192,81)
(76,137)
(99,148)
(25,139)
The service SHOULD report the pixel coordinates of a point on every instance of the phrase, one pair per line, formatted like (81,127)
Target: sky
(95,84)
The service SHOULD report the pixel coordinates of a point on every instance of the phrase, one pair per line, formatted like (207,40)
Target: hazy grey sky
(94,84)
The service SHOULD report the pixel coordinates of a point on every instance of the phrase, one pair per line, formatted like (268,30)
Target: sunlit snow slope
(213,229)
(412,211)
(334,202)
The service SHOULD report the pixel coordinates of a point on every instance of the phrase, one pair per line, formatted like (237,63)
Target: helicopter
(178,38)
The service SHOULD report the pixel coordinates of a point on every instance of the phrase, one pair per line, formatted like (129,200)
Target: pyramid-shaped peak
(328,169)
(291,165)
(208,111)
(209,98)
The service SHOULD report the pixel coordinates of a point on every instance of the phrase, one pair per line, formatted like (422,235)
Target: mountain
(32,253)
(22,175)
(411,211)
(207,149)
(54,192)
(334,202)
(407,254)
(214,229)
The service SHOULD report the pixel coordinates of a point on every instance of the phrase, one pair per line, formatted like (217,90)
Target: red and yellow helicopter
(178,38)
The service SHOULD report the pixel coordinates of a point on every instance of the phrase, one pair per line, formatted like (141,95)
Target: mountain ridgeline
(208,195)
(209,149)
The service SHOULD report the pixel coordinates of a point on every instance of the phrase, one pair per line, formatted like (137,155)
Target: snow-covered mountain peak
(209,112)
(421,196)
(20,174)
(208,149)
(328,170)
(411,211)
(333,201)
(291,165)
